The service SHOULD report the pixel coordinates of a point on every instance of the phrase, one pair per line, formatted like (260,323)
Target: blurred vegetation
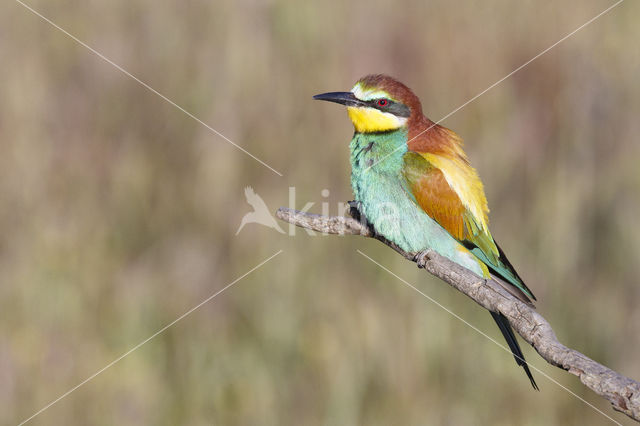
(119,212)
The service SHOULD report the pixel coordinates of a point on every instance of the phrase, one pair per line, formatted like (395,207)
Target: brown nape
(424,135)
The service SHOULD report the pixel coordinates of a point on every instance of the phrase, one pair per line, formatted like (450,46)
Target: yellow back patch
(369,120)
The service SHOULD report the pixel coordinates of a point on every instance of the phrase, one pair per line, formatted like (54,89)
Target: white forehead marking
(367,95)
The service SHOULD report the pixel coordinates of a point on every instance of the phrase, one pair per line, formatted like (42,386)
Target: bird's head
(377,103)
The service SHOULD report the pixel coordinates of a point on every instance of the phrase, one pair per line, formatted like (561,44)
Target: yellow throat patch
(369,120)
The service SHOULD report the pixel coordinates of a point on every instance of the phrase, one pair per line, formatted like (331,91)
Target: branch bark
(622,392)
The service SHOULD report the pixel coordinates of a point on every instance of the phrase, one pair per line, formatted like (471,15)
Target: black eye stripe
(374,103)
(395,108)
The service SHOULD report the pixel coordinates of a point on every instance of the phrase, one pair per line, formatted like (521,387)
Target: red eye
(382,102)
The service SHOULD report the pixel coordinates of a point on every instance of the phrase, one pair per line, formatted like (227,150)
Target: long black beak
(344,98)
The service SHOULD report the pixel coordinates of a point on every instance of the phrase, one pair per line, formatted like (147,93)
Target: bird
(415,186)
(260,214)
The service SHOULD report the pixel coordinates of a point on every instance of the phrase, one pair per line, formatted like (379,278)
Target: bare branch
(622,392)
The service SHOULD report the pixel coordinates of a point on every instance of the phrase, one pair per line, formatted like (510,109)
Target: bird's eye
(382,102)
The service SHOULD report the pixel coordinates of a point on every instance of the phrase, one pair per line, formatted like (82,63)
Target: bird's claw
(355,211)
(422,258)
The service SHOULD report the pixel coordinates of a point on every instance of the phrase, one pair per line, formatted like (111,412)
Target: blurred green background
(118,212)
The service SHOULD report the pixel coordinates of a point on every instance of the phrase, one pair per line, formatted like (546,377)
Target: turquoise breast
(386,202)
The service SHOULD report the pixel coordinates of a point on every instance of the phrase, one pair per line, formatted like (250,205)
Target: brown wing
(433,193)
(426,175)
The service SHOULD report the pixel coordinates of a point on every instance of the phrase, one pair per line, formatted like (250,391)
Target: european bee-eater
(415,186)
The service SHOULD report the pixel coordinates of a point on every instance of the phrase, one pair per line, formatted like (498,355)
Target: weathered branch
(623,393)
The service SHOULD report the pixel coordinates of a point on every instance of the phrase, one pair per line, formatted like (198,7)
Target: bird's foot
(355,211)
(422,258)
